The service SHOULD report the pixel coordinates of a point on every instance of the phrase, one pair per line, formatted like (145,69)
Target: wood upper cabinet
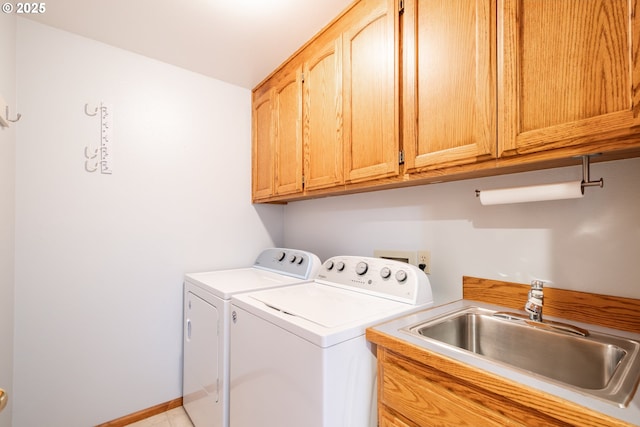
(350,98)
(263,130)
(277,135)
(370,75)
(448,82)
(570,73)
(323,152)
(463,87)
(334,110)
(288,131)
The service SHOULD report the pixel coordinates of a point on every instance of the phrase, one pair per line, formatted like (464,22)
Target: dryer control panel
(390,279)
(290,262)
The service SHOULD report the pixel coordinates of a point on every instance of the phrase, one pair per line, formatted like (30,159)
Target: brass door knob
(3,399)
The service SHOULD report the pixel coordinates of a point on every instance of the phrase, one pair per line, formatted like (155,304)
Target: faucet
(535,299)
(534,308)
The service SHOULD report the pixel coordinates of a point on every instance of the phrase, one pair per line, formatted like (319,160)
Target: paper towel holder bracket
(586,181)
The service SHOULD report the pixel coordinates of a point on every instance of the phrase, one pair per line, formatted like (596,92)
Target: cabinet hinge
(401,157)
(400,7)
(302,181)
(302,77)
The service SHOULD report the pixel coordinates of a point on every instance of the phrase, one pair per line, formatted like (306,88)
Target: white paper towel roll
(533,193)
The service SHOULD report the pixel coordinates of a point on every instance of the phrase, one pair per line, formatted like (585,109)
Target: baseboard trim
(145,413)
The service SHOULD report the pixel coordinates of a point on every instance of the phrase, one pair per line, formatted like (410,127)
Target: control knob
(340,266)
(292,259)
(401,276)
(385,273)
(361,268)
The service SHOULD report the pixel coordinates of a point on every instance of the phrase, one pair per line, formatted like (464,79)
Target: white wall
(100,258)
(7,206)
(590,244)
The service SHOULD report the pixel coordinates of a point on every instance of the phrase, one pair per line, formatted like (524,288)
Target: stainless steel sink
(601,365)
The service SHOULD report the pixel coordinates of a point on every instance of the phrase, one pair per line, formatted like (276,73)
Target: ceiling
(236,41)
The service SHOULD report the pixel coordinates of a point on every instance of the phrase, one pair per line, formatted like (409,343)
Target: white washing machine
(299,357)
(206,321)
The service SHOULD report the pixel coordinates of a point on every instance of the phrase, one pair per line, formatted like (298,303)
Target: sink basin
(601,365)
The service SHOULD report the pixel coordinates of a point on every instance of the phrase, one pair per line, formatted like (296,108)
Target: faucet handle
(535,300)
(537,285)
(536,294)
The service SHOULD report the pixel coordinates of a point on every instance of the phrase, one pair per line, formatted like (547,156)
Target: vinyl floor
(176,417)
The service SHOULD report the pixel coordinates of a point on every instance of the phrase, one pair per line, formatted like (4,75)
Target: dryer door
(200,374)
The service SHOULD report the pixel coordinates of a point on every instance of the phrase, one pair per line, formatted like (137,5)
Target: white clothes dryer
(207,298)
(299,356)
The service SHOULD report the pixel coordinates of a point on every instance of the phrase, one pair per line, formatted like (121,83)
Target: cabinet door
(427,396)
(448,83)
(323,166)
(288,135)
(569,73)
(370,100)
(263,128)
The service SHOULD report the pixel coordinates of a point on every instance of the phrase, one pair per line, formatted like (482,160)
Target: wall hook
(86,111)
(7,115)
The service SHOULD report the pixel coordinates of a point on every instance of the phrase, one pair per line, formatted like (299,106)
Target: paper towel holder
(586,180)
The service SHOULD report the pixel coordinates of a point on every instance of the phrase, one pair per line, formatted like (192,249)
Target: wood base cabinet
(417,388)
(414,394)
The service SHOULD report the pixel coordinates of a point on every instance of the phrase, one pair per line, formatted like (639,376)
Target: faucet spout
(535,300)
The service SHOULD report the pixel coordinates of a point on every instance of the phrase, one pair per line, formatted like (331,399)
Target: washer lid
(327,306)
(225,283)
